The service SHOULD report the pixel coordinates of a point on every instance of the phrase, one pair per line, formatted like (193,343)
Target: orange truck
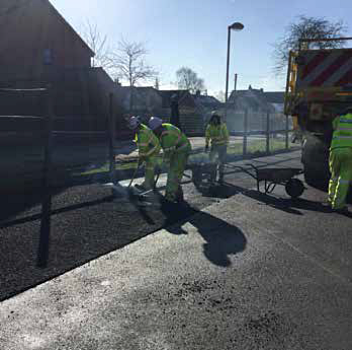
(319,88)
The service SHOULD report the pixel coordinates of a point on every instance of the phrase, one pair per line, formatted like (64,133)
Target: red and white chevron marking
(325,68)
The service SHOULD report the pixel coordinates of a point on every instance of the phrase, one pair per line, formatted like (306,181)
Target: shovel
(123,191)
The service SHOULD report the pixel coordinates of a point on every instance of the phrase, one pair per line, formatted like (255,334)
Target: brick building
(39,47)
(38,41)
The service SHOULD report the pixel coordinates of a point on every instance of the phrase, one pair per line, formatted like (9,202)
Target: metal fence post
(45,226)
(245,129)
(286,132)
(112,134)
(267,132)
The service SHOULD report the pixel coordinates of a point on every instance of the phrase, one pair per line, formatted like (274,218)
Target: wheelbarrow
(276,176)
(204,175)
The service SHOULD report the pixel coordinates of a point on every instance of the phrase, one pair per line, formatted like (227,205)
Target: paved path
(27,161)
(128,149)
(248,272)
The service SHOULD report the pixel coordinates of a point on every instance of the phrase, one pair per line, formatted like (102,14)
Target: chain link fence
(256,133)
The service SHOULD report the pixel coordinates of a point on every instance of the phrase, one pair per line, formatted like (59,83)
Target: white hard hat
(134,122)
(155,123)
(215,113)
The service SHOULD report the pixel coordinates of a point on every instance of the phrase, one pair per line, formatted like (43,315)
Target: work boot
(180,197)
(327,204)
(343,210)
(142,187)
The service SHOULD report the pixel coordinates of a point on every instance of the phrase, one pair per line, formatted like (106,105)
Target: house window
(48,56)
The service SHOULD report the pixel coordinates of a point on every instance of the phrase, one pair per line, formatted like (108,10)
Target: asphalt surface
(245,272)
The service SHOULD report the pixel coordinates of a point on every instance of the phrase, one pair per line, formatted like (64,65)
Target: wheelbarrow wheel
(197,178)
(180,196)
(295,188)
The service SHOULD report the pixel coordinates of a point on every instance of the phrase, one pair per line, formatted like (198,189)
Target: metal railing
(47,167)
(268,132)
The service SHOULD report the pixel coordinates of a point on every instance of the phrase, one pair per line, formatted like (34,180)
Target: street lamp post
(235,26)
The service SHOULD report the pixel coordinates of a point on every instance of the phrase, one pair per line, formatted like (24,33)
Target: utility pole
(236,78)
(235,26)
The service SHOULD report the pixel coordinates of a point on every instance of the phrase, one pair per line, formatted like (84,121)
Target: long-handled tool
(134,174)
(120,190)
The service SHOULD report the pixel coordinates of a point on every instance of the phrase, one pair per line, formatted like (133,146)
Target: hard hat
(134,122)
(215,114)
(215,118)
(155,123)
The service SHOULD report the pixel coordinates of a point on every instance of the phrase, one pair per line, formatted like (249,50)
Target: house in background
(257,104)
(191,116)
(252,99)
(194,110)
(146,100)
(277,99)
(208,102)
(206,105)
(41,48)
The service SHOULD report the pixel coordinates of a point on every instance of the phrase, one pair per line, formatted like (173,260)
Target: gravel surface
(88,223)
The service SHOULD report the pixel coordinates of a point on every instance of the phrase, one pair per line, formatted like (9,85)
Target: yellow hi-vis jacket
(148,144)
(342,136)
(218,134)
(174,140)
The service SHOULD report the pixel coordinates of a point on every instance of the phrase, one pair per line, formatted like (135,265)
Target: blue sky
(193,33)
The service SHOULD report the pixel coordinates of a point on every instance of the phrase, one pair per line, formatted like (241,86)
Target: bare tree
(157,83)
(99,44)
(128,64)
(306,28)
(187,79)
(220,95)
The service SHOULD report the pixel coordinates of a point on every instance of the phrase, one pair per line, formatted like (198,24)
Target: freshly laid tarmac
(247,272)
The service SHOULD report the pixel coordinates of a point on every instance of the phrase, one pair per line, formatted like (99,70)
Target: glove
(142,159)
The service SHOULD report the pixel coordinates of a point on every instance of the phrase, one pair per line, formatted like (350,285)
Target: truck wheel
(310,177)
(315,179)
(196,177)
(295,188)
(315,156)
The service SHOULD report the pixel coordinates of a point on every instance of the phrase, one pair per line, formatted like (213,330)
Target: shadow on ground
(287,205)
(13,204)
(222,191)
(16,200)
(87,230)
(221,239)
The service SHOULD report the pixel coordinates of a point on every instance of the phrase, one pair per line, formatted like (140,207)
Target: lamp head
(236,26)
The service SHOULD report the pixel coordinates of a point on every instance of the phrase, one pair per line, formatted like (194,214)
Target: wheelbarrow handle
(253,166)
(246,171)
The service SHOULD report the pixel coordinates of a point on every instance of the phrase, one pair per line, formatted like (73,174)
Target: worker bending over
(341,161)
(218,134)
(177,148)
(148,148)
